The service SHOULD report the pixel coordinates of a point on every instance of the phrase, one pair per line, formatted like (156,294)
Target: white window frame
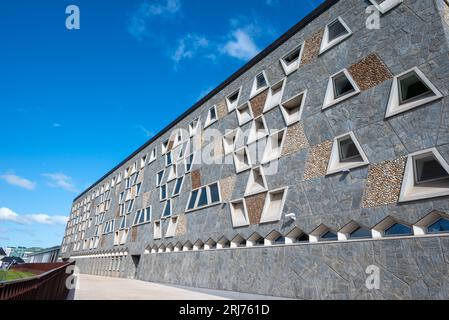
(239,166)
(239,218)
(158,183)
(232,105)
(193,131)
(412,192)
(265,218)
(274,100)
(385,6)
(168,203)
(394,107)
(182,178)
(326,45)
(335,165)
(160,192)
(291,119)
(330,99)
(294,66)
(209,120)
(254,90)
(209,204)
(249,190)
(254,135)
(153,156)
(246,117)
(269,154)
(229,148)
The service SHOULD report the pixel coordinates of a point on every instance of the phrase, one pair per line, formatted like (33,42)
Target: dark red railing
(49,282)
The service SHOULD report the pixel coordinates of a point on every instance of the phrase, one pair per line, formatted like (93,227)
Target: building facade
(317,171)
(48,255)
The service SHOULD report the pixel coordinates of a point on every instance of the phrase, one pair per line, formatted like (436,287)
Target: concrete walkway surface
(103,288)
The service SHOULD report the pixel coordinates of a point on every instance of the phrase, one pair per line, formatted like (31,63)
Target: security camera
(291,216)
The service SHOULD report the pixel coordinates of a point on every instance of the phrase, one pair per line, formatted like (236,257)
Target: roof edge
(264,53)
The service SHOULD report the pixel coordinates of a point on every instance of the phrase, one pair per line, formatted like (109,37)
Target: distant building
(2,253)
(44,256)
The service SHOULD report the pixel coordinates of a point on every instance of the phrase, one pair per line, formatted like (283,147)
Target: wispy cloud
(271,3)
(7,214)
(241,46)
(15,180)
(145,131)
(60,180)
(138,25)
(57,125)
(189,46)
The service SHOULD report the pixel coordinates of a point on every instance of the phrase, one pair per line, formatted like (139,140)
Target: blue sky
(74,103)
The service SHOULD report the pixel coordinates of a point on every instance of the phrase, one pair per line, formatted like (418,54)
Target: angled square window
(273,148)
(255,240)
(160,177)
(390,227)
(242,161)
(143,161)
(346,154)
(291,61)
(122,223)
(129,206)
(211,116)
(433,223)
(163,192)
(385,5)
(334,33)
(426,176)
(292,109)
(258,130)
(232,100)
(230,140)
(178,186)
(275,94)
(164,146)
(194,127)
(172,173)
(239,213)
(152,156)
(188,162)
(168,159)
(410,90)
(244,113)
(256,182)
(322,233)
(167,209)
(274,205)
(341,86)
(171,229)
(157,231)
(352,231)
(238,241)
(138,189)
(260,83)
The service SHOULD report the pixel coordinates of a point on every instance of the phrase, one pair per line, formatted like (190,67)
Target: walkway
(102,288)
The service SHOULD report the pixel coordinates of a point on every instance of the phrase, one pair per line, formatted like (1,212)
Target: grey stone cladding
(413,34)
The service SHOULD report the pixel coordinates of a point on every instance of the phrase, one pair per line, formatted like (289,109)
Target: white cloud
(145,131)
(138,23)
(57,125)
(60,180)
(271,3)
(18,181)
(7,214)
(189,46)
(241,46)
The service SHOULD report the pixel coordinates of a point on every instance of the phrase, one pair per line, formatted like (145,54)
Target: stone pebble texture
(222,109)
(312,47)
(413,34)
(254,205)
(295,139)
(383,185)
(369,72)
(318,160)
(196,179)
(258,102)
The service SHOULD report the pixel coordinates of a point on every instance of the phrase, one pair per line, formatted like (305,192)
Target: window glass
(412,88)
(441,225)
(203,197)
(360,233)
(336,30)
(214,193)
(342,86)
(192,199)
(178,186)
(329,235)
(348,149)
(261,82)
(429,169)
(398,229)
(292,57)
